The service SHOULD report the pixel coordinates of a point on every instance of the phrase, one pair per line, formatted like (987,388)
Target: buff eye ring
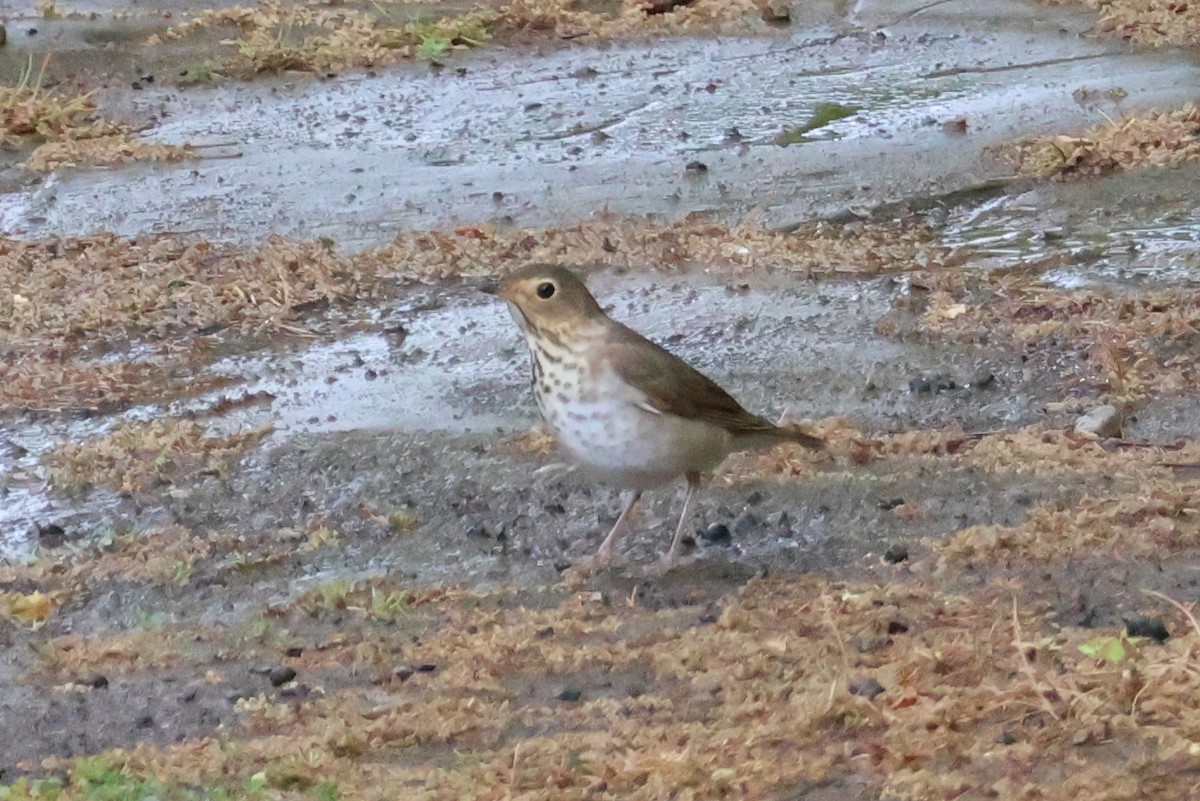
(545,290)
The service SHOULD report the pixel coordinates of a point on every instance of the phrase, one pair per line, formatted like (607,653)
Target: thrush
(628,411)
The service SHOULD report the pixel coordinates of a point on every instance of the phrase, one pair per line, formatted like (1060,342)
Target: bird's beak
(496,288)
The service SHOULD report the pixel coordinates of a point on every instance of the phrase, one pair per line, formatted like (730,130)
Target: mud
(447,363)
(415,407)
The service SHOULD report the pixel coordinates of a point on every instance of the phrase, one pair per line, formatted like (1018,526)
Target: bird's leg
(604,554)
(671,557)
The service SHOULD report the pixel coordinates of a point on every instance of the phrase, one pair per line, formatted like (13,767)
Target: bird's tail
(766,434)
(804,438)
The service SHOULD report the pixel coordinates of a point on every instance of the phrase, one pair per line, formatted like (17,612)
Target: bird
(629,412)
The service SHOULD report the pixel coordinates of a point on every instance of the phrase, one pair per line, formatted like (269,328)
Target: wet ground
(401,447)
(534,139)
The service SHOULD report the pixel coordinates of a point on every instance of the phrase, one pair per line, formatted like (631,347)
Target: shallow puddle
(1125,231)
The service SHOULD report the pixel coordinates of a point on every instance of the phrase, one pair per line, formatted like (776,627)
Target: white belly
(611,429)
(628,446)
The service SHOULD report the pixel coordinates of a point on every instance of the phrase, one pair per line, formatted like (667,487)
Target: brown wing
(672,386)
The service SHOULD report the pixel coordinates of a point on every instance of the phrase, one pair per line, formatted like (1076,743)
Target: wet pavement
(554,137)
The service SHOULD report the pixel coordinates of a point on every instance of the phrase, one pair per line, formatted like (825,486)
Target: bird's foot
(584,569)
(659,567)
(602,558)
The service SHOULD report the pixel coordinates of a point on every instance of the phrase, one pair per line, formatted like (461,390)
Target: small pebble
(895,553)
(1142,626)
(780,523)
(280,676)
(569,694)
(294,651)
(717,534)
(983,381)
(745,524)
(868,688)
(930,386)
(1103,421)
(51,535)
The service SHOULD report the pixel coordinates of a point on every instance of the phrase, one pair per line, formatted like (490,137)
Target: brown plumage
(624,407)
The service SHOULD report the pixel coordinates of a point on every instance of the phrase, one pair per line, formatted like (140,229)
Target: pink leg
(604,554)
(671,557)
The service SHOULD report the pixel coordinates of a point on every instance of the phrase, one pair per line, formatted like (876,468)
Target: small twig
(1185,609)
(296,330)
(837,636)
(1026,665)
(512,771)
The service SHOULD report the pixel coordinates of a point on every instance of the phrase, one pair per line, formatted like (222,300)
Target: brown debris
(135,456)
(27,110)
(1152,139)
(982,698)
(65,303)
(105,151)
(1126,346)
(73,133)
(275,36)
(1152,22)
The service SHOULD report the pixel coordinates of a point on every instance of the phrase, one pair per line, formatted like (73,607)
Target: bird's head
(548,297)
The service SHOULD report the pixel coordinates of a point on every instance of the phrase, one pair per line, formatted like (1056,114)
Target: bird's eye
(545,290)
